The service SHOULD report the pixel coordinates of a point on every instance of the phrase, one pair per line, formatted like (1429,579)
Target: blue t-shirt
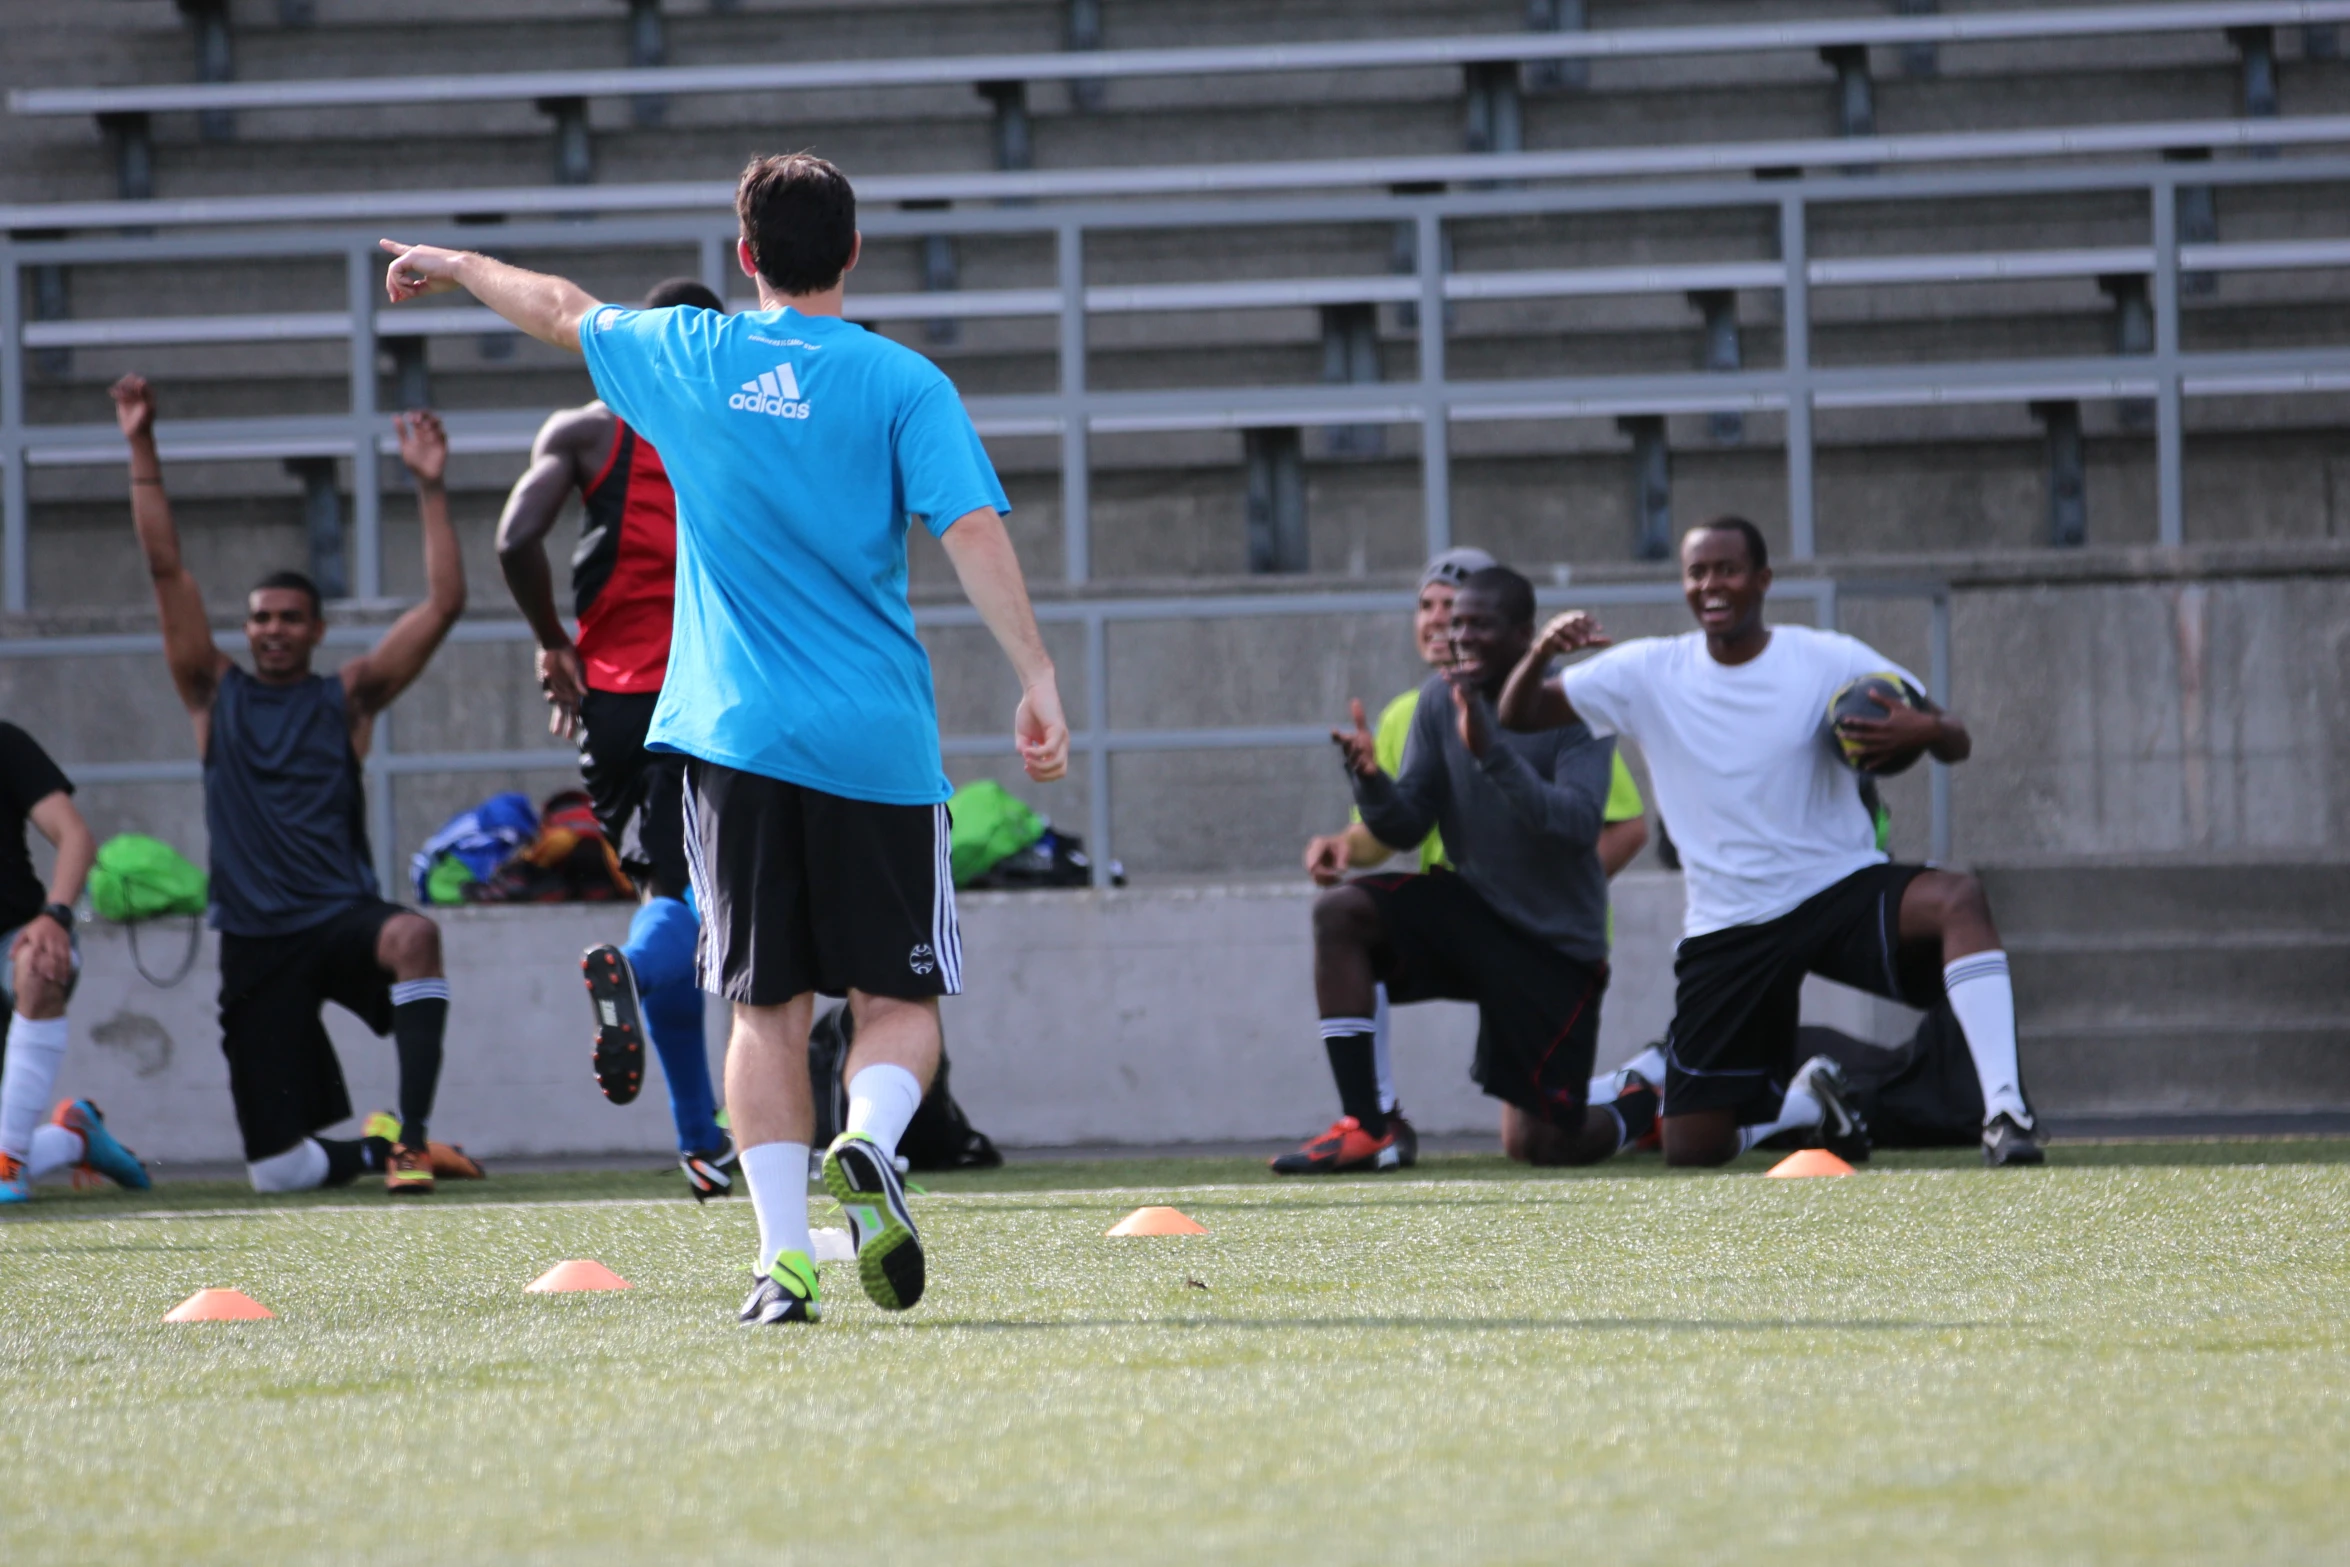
(800,447)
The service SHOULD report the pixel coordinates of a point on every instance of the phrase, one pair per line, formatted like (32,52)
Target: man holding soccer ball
(1785,876)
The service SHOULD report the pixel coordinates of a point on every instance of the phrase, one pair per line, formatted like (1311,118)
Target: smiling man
(1516,923)
(1784,874)
(294,896)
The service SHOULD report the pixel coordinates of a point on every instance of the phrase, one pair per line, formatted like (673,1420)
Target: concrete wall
(2123,703)
(1180,1014)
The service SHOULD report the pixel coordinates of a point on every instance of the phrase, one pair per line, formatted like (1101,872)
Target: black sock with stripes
(1354,1062)
(420,1015)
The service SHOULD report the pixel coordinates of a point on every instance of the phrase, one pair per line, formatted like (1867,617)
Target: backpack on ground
(1922,1093)
(471,846)
(990,824)
(940,1137)
(137,878)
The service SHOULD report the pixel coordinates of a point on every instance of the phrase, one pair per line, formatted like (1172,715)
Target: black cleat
(864,1181)
(1407,1139)
(620,1024)
(1842,1131)
(710,1173)
(787,1295)
(2007,1141)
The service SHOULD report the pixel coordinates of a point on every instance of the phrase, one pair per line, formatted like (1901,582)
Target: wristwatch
(62,913)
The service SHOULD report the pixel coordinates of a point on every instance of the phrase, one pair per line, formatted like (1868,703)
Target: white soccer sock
(301,1168)
(1801,1108)
(35,1047)
(53,1149)
(1608,1086)
(1984,999)
(882,1100)
(778,1177)
(1382,1055)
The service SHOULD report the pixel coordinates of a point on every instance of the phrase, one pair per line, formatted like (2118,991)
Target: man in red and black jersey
(602,687)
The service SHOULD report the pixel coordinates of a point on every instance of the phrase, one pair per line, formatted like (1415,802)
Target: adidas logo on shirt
(775,393)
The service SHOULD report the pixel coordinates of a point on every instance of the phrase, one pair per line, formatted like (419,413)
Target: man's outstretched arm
(558,457)
(1530,701)
(381,673)
(548,308)
(196,663)
(990,573)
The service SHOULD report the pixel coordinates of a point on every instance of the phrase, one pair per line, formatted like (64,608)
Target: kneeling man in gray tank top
(294,895)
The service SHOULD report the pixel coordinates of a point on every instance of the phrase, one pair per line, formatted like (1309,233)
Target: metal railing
(1433,400)
(1256,177)
(1219,60)
(1094,740)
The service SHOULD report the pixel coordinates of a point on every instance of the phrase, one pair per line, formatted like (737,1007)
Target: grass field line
(1529,1190)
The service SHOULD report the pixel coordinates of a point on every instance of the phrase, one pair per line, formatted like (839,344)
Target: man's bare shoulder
(582,435)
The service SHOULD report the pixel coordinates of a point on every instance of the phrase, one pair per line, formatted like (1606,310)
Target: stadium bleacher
(2057,275)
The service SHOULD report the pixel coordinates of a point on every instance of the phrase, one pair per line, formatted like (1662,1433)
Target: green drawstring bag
(141,878)
(990,824)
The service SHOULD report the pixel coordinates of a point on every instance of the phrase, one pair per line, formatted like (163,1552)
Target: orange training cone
(219,1306)
(1158,1221)
(578,1274)
(1811,1161)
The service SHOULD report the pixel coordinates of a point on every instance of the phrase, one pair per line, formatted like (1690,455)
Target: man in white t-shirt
(1784,874)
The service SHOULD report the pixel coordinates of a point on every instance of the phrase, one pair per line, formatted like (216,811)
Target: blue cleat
(101,1153)
(14,1188)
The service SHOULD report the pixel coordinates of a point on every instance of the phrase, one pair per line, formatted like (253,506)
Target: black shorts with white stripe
(800,890)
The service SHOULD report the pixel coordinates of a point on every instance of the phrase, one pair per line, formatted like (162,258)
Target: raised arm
(562,459)
(196,663)
(1530,700)
(548,308)
(381,673)
(990,573)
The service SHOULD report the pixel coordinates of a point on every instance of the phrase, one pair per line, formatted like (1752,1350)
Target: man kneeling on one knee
(1518,925)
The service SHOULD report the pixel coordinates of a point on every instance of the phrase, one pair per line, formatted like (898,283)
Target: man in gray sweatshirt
(1518,925)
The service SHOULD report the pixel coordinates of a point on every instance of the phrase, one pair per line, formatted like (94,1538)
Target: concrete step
(2145,1068)
(2200,898)
(2216,979)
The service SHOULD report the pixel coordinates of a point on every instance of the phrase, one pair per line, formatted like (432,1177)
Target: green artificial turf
(2138,1354)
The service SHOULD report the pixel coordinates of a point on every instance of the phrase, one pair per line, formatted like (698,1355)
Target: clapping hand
(1571,633)
(1476,721)
(1359,748)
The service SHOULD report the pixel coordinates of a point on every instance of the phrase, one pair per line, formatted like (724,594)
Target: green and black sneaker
(864,1181)
(785,1294)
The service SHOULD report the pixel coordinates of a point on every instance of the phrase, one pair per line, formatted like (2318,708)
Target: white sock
(301,1168)
(1382,1053)
(1801,1108)
(1984,999)
(882,1100)
(54,1148)
(1607,1087)
(35,1047)
(778,1176)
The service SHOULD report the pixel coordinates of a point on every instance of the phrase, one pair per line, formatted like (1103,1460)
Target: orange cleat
(1346,1146)
(450,1162)
(408,1172)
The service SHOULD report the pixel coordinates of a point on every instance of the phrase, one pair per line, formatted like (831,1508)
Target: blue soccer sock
(660,950)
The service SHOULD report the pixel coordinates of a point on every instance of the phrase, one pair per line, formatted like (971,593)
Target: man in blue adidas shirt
(800,448)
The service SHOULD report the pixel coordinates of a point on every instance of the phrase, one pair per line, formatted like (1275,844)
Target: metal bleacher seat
(1841,44)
